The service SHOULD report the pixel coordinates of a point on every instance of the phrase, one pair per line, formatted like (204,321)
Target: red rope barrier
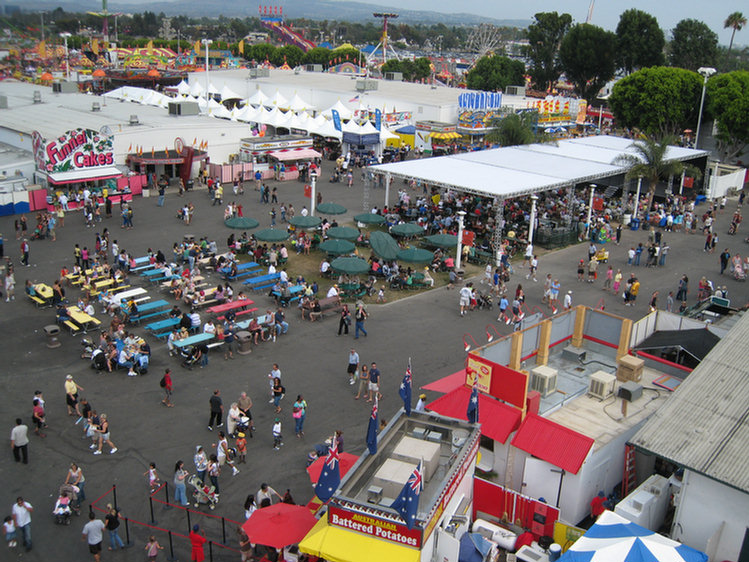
(195,511)
(102,496)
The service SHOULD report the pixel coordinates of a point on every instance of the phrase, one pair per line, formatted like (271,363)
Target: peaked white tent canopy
(278,100)
(615,539)
(227,93)
(297,104)
(326,129)
(212,89)
(197,89)
(183,88)
(342,110)
(258,98)
(386,134)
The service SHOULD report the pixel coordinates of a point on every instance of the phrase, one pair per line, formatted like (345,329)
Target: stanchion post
(189,525)
(150,505)
(210,551)
(167,505)
(127,532)
(171,556)
(223,529)
(114,496)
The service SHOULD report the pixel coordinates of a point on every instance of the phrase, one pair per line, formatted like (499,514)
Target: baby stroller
(245,425)
(189,356)
(66,504)
(203,493)
(484,301)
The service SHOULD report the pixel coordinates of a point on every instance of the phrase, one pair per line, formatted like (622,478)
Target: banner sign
(374,526)
(336,120)
(78,149)
(480,100)
(378,119)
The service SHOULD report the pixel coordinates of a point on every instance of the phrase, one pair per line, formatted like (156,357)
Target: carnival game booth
(288,163)
(78,159)
(434,137)
(264,153)
(182,161)
(359,517)
(477,112)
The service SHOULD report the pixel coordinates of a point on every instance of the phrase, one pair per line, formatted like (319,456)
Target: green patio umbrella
(272,235)
(350,266)
(415,255)
(305,222)
(407,229)
(443,240)
(384,245)
(241,223)
(337,247)
(343,233)
(331,209)
(369,218)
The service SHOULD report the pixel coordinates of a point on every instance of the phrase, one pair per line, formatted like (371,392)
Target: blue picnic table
(263,280)
(152,272)
(163,324)
(142,260)
(192,340)
(151,306)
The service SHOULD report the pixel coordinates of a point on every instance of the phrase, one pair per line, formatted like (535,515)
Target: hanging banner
(336,120)
(378,119)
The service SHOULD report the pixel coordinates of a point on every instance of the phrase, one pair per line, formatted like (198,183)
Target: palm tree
(515,129)
(737,21)
(649,163)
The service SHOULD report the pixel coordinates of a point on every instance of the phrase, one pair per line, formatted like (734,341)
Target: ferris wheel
(484,39)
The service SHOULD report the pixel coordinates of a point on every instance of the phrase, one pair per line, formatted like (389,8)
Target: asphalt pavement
(425,328)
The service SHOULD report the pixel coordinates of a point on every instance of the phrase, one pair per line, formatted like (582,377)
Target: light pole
(706,72)
(65,36)
(534,199)
(590,208)
(207,43)
(637,196)
(461,216)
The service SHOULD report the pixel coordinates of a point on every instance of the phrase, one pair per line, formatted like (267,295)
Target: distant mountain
(318,10)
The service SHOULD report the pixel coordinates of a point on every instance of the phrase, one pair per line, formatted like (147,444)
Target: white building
(704,428)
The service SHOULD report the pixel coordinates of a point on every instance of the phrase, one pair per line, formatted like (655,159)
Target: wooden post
(516,350)
(577,334)
(544,339)
(624,338)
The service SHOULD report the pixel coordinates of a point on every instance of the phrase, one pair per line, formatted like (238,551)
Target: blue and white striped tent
(615,539)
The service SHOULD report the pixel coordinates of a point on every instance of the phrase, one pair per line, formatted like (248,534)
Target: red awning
(295,154)
(448,383)
(497,419)
(553,443)
(347,461)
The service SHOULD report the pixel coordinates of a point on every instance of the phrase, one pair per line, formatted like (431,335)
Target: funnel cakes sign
(79,149)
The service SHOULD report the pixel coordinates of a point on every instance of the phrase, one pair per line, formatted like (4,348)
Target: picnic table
(126,295)
(295,292)
(81,319)
(152,272)
(44,291)
(142,260)
(262,281)
(231,305)
(163,327)
(103,284)
(192,340)
(153,305)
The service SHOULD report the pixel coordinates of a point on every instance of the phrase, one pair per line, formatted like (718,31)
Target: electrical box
(630,391)
(394,76)
(183,108)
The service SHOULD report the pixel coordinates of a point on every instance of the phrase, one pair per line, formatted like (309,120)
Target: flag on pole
(473,406)
(149,48)
(407,502)
(196,47)
(355,98)
(330,477)
(405,390)
(240,47)
(372,430)
(130,148)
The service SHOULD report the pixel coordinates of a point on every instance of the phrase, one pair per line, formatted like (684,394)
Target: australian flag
(405,390)
(372,430)
(473,406)
(407,503)
(330,477)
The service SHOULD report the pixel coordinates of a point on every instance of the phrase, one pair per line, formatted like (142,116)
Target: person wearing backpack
(166,384)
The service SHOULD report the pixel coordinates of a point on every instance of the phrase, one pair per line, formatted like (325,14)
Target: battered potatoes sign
(477,368)
(375,527)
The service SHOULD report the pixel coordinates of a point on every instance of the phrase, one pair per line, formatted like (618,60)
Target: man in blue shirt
(374,383)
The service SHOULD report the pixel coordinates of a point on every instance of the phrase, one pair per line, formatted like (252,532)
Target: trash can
(52,331)
(189,185)
(635,224)
(245,342)
(626,219)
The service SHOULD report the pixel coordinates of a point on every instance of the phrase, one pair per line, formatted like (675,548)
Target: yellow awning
(337,545)
(445,136)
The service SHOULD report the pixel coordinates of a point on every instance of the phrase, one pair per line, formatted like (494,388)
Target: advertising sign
(497,380)
(374,526)
(479,370)
(378,119)
(336,120)
(78,149)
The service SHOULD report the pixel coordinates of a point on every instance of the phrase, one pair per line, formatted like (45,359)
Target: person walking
(201,462)
(166,384)
(363,382)
(197,540)
(360,316)
(465,297)
(374,383)
(217,410)
(112,523)
(19,441)
(21,512)
(152,548)
(609,279)
(725,257)
(103,431)
(76,478)
(353,365)
(71,396)
(180,491)
(533,269)
(683,289)
(345,320)
(300,414)
(10,285)
(25,252)
(93,533)
(214,470)
(222,453)
(568,300)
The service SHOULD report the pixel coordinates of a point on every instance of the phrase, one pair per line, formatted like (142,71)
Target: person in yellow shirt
(71,395)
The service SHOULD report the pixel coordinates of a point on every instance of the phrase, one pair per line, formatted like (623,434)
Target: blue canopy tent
(615,539)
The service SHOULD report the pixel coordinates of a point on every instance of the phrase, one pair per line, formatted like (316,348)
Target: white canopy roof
(298,104)
(342,110)
(212,89)
(325,129)
(522,170)
(228,94)
(258,98)
(278,100)
(183,88)
(300,121)
(220,111)
(196,89)
(386,134)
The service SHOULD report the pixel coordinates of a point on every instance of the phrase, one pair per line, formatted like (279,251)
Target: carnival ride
(385,17)
(271,17)
(104,14)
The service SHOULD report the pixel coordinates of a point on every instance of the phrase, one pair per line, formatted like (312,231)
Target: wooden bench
(74,328)
(37,301)
(328,304)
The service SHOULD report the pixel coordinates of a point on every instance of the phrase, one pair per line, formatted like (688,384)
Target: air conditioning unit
(366,84)
(394,76)
(629,368)
(515,90)
(601,384)
(544,380)
(313,68)
(259,73)
(134,120)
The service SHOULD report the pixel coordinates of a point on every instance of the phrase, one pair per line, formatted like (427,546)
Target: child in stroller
(203,493)
(63,510)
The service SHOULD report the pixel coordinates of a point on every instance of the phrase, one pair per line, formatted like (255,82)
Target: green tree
(588,56)
(290,54)
(728,103)
(514,129)
(545,36)
(639,40)
(260,52)
(494,72)
(693,44)
(659,100)
(318,55)
(736,21)
(648,161)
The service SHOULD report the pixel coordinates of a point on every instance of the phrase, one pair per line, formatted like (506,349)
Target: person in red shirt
(167,401)
(597,505)
(197,540)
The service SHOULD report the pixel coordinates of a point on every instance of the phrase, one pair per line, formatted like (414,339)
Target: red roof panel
(553,443)
(448,383)
(497,419)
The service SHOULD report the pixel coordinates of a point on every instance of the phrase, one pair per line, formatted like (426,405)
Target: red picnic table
(231,305)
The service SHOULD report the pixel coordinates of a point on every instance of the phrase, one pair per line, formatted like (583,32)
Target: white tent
(300,121)
(115,94)
(386,134)
(227,93)
(248,114)
(220,112)
(326,129)
(183,88)
(342,110)
(277,118)
(196,90)
(615,539)
(367,128)
(297,104)
(278,100)
(212,89)
(258,98)
(352,127)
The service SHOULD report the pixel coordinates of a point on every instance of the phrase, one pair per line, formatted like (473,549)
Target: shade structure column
(637,197)
(387,188)
(590,209)
(461,225)
(531,227)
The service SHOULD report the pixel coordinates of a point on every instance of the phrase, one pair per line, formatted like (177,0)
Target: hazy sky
(605,14)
